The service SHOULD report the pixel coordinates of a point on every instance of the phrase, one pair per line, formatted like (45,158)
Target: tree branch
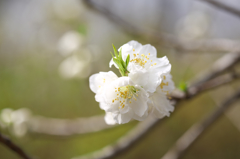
(67,127)
(191,135)
(164,39)
(7,142)
(144,127)
(125,142)
(222,64)
(217,4)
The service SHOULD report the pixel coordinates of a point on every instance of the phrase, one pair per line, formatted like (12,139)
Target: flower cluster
(142,90)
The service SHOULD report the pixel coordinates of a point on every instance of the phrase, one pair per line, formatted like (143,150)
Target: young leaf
(127,60)
(120,53)
(111,54)
(117,62)
(115,51)
(182,86)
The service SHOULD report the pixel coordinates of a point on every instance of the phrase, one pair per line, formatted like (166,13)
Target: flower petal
(109,119)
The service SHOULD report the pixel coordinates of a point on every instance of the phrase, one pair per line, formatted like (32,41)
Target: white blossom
(144,88)
(144,67)
(121,97)
(159,105)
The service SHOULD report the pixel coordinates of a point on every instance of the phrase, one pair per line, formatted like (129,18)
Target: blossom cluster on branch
(142,90)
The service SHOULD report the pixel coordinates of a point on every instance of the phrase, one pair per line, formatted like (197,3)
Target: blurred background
(49,48)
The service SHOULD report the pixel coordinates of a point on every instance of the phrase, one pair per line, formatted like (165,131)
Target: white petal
(96,81)
(126,50)
(140,118)
(146,49)
(124,118)
(112,63)
(139,105)
(161,104)
(167,78)
(109,119)
(135,45)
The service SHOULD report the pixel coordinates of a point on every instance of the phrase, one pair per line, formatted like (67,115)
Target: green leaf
(115,51)
(117,62)
(127,60)
(120,53)
(112,54)
(182,86)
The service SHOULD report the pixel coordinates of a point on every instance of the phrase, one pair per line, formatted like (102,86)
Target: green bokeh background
(30,79)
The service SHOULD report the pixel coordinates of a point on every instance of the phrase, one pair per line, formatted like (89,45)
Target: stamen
(133,49)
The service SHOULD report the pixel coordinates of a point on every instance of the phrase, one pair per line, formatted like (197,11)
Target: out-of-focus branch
(222,64)
(138,132)
(189,137)
(224,7)
(208,85)
(164,39)
(208,79)
(123,143)
(7,142)
(213,83)
(66,127)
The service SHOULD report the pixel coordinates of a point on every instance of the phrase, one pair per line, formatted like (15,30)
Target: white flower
(144,88)
(144,66)
(125,100)
(98,81)
(159,104)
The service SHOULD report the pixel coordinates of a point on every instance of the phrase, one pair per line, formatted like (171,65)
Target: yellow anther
(135,99)
(134,55)
(145,61)
(148,53)
(99,86)
(151,60)
(137,54)
(142,55)
(130,102)
(146,56)
(133,49)
(151,64)
(155,63)
(137,95)
(113,101)
(163,84)
(115,90)
(164,77)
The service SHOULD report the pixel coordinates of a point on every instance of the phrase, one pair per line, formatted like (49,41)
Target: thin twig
(213,83)
(164,39)
(67,127)
(220,5)
(191,135)
(7,142)
(125,142)
(222,64)
(128,140)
